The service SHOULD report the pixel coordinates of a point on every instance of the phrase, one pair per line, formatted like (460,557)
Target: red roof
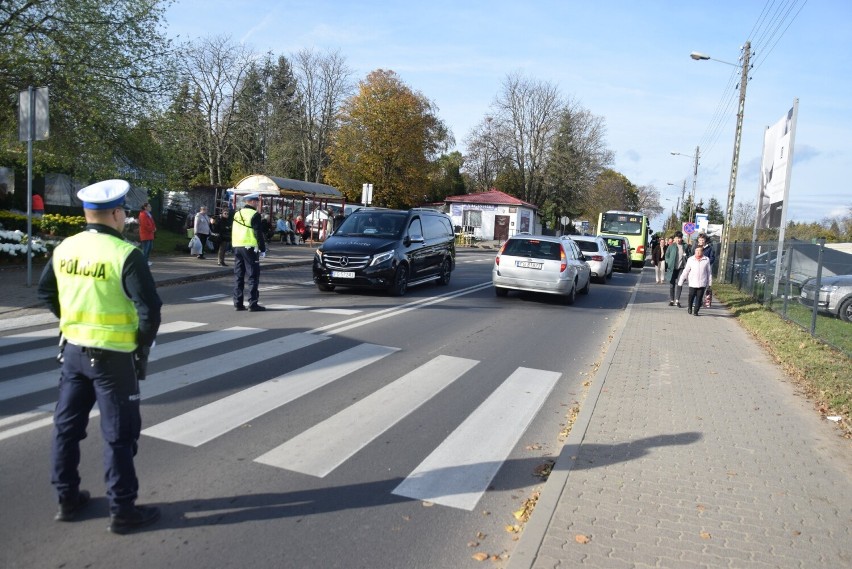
(491,197)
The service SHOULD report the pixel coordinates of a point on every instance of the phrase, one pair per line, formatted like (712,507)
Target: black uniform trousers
(246,261)
(111,382)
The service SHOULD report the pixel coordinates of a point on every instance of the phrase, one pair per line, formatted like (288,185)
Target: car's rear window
(587,246)
(615,245)
(533,248)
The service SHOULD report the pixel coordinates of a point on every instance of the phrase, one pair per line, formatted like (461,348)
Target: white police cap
(249,197)
(104,195)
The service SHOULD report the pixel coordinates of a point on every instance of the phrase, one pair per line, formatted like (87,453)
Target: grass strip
(822,372)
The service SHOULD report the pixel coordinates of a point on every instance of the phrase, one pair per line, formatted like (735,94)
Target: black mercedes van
(387,249)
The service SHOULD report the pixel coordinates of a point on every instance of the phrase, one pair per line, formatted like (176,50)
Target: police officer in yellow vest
(249,246)
(100,288)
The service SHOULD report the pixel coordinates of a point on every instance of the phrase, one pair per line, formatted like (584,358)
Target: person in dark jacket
(658,260)
(676,256)
(223,230)
(102,291)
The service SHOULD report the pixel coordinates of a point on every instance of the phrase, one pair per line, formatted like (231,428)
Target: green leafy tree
(105,62)
(446,179)
(179,131)
(388,136)
(611,190)
(714,212)
(576,159)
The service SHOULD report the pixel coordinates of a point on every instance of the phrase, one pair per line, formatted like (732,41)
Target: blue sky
(626,61)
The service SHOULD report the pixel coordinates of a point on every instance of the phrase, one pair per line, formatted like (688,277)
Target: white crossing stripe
(29,337)
(34,355)
(182,376)
(459,471)
(324,447)
(161,351)
(208,297)
(50,352)
(205,423)
(49,379)
(341,311)
(202,370)
(27,321)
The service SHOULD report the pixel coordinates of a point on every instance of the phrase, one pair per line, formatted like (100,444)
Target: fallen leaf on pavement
(580,538)
(704,535)
(480,556)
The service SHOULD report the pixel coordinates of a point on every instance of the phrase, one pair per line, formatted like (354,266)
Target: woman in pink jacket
(147,229)
(699,275)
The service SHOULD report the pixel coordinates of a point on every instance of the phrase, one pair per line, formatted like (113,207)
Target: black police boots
(256,308)
(68,509)
(133,519)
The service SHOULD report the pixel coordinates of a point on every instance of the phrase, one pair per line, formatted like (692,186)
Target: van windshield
(384,224)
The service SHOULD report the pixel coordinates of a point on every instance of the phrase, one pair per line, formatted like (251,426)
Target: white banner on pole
(775,171)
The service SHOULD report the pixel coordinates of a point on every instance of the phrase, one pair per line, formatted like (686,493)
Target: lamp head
(696,55)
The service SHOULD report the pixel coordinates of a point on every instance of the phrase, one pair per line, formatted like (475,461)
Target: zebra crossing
(455,474)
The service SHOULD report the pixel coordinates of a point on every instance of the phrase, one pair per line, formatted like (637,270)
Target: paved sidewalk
(691,450)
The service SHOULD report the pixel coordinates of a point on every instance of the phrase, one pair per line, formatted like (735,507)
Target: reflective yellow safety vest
(242,235)
(95,310)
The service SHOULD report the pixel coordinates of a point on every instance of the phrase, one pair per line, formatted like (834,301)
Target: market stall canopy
(274,186)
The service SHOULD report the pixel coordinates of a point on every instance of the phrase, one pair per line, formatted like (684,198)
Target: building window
(472,218)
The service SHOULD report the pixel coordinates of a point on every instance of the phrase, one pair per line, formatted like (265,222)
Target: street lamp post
(694,178)
(682,193)
(732,183)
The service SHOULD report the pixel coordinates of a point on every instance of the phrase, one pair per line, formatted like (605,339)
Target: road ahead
(333,430)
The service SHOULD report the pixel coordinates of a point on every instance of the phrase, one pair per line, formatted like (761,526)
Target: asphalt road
(334,430)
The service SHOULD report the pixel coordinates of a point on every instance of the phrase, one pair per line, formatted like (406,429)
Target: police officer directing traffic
(249,246)
(100,288)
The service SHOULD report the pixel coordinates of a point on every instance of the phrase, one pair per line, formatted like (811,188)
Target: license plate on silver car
(528,265)
(342,274)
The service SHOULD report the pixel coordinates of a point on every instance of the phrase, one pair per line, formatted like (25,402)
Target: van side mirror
(414,238)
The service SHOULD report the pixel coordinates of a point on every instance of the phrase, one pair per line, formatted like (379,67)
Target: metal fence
(807,283)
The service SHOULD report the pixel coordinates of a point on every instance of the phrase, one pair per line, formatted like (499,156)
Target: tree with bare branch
(323,82)
(527,116)
(215,68)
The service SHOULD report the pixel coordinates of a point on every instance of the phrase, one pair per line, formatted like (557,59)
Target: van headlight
(382,257)
(318,256)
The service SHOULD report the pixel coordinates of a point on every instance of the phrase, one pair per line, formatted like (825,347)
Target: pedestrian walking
(100,288)
(249,246)
(676,256)
(698,274)
(147,229)
(658,260)
(201,227)
(223,228)
(705,243)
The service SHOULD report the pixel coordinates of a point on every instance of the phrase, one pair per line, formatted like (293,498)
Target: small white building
(492,215)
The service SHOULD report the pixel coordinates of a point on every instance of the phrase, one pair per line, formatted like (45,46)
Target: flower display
(13,246)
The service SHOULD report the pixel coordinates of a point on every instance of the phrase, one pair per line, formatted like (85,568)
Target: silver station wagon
(539,263)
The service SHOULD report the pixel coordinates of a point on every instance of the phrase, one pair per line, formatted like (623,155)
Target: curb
(535,531)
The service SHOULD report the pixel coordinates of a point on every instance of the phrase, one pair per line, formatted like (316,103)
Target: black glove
(140,361)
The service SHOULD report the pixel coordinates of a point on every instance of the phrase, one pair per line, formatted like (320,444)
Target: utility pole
(729,213)
(694,183)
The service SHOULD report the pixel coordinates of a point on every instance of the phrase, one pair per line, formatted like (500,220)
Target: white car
(539,263)
(597,255)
